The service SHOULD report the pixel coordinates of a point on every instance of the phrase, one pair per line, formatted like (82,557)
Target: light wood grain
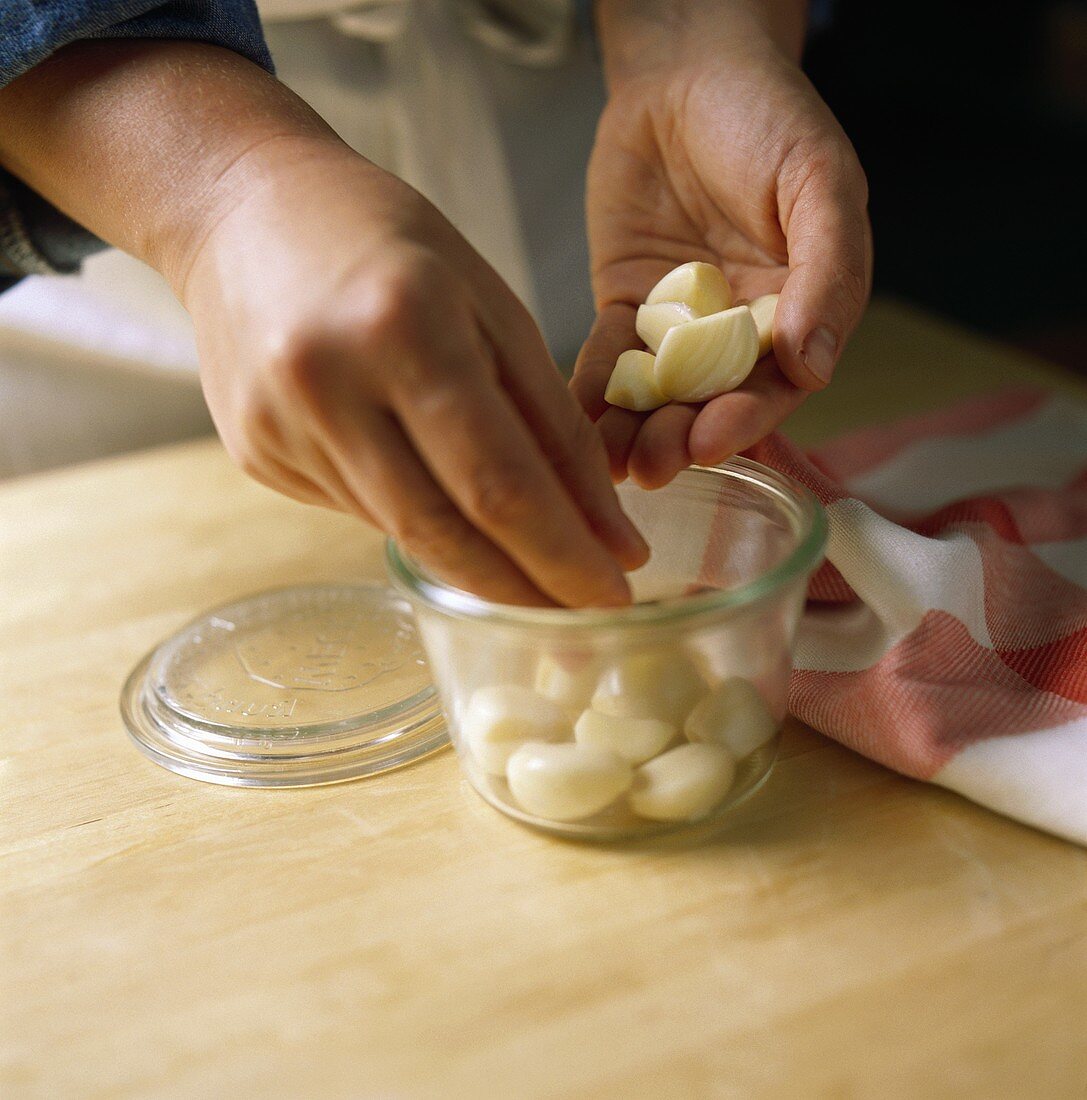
(853,934)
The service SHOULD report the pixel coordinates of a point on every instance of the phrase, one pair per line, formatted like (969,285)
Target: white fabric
(899,572)
(448,143)
(117,309)
(917,479)
(1003,773)
(956,655)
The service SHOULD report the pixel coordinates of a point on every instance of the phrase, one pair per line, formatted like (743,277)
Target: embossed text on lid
(291,687)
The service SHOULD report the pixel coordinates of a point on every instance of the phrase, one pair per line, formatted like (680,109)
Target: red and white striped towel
(946,635)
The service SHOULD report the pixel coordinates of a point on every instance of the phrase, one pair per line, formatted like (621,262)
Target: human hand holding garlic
(714,147)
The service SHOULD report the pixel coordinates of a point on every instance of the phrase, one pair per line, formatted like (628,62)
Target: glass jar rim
(809,515)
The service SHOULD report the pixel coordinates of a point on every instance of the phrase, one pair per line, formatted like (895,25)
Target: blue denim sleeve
(35,238)
(30,30)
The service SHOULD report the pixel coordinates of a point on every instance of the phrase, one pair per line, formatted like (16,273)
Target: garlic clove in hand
(708,356)
(632,384)
(654,322)
(700,286)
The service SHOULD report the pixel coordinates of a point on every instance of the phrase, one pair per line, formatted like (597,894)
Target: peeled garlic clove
(569,683)
(733,715)
(708,356)
(683,784)
(502,717)
(632,384)
(634,739)
(660,684)
(566,782)
(762,310)
(703,287)
(654,322)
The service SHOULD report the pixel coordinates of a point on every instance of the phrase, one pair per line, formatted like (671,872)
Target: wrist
(265,194)
(161,132)
(295,217)
(642,38)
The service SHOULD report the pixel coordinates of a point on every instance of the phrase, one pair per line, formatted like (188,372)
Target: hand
(721,151)
(358,354)
(355,351)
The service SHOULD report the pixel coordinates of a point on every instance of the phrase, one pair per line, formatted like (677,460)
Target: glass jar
(652,718)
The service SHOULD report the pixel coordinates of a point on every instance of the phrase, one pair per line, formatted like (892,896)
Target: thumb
(829,243)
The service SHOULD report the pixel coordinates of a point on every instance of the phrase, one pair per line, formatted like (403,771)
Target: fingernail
(821,353)
(633,548)
(617,595)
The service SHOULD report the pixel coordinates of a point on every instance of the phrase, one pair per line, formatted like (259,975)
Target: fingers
(504,440)
(257,446)
(384,473)
(435,372)
(653,449)
(660,449)
(618,429)
(273,474)
(735,421)
(280,453)
(612,333)
(566,436)
(830,266)
(478,448)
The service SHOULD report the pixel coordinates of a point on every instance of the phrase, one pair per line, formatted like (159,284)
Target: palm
(655,202)
(700,173)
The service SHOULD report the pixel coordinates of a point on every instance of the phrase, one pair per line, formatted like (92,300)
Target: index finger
(737,420)
(563,431)
(475,444)
(612,333)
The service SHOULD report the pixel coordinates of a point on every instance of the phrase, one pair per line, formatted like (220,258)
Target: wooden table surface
(853,934)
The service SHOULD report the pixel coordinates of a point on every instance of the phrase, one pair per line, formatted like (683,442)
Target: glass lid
(288,688)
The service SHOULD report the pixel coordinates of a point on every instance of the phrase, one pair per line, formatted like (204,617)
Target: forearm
(638,35)
(147,143)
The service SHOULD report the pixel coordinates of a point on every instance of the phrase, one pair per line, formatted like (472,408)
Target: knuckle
(386,317)
(251,462)
(431,535)
(388,307)
(300,362)
(397,299)
(398,323)
(583,451)
(438,403)
(852,288)
(498,498)
(260,422)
